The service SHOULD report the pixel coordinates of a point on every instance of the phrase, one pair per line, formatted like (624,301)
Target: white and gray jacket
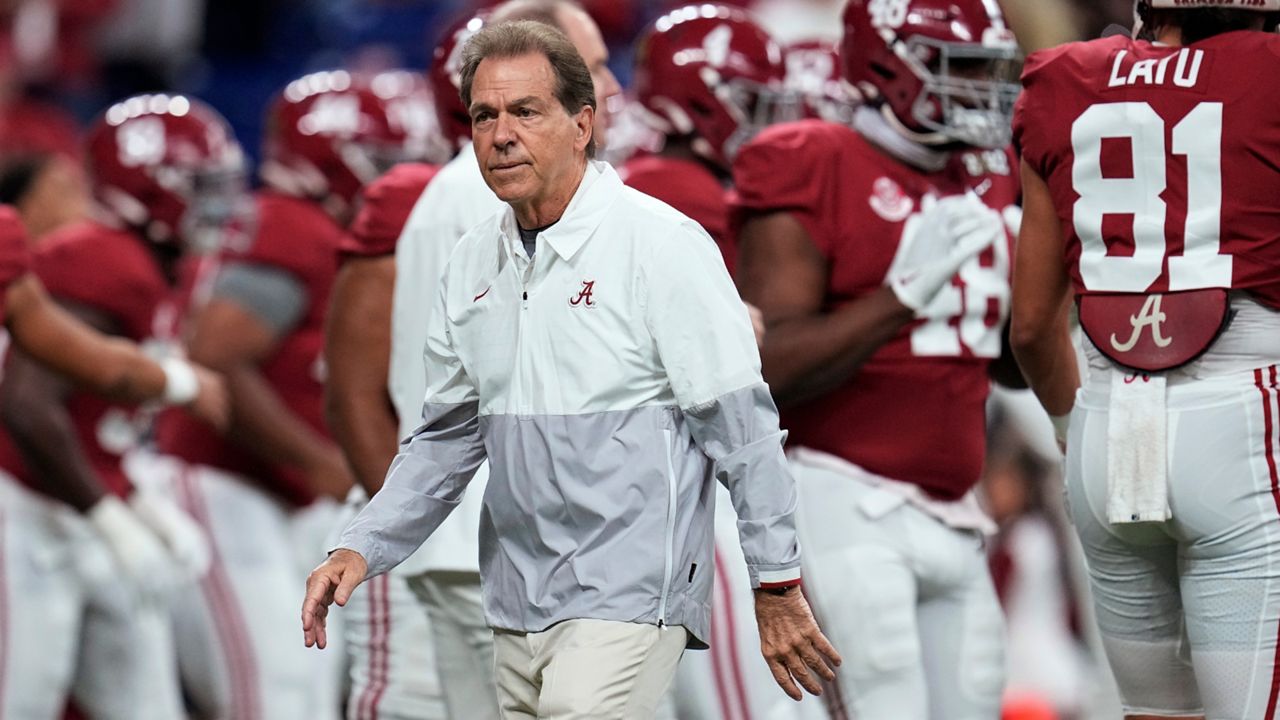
(607,381)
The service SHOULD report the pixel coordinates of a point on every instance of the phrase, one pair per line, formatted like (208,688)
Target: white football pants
(239,639)
(907,601)
(70,625)
(1189,609)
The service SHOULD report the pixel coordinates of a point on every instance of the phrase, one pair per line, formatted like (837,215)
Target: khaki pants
(580,669)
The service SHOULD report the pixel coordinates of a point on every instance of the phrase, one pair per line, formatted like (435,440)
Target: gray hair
(574,88)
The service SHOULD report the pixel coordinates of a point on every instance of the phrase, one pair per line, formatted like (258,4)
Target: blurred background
(63,61)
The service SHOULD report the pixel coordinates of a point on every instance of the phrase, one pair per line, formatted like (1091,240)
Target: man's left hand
(792,644)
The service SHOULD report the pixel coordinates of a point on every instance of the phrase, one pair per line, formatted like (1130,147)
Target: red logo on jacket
(583,298)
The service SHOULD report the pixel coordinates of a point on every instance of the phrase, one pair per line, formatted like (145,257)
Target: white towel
(1137,439)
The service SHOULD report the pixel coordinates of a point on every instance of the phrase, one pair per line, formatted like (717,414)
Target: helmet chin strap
(886,132)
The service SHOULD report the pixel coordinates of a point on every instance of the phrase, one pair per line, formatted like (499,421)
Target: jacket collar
(599,187)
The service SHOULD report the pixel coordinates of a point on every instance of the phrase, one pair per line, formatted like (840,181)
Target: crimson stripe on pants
(385,674)
(1269,426)
(230,623)
(378,588)
(720,600)
(739,685)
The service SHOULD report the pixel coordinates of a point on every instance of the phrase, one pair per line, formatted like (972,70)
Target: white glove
(186,541)
(136,548)
(948,233)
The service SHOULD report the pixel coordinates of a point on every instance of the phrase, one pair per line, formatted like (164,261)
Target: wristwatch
(778,589)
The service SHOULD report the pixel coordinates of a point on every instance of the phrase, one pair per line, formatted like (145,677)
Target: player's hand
(947,234)
(185,540)
(792,644)
(135,547)
(212,402)
(332,582)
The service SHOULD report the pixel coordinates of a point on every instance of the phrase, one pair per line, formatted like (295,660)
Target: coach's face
(531,151)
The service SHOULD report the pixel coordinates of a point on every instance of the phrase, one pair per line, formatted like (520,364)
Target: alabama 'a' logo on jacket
(584,297)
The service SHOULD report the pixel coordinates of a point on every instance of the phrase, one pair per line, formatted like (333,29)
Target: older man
(394,673)
(588,342)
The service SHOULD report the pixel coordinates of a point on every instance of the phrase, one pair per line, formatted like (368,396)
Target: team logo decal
(583,298)
(890,202)
(1151,316)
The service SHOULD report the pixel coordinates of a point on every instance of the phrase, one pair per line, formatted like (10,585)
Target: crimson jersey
(298,237)
(687,186)
(915,411)
(1130,135)
(15,260)
(385,205)
(115,274)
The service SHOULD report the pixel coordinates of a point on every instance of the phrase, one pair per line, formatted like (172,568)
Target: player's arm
(358,355)
(1004,370)
(807,351)
(1040,331)
(33,408)
(110,366)
(149,537)
(253,307)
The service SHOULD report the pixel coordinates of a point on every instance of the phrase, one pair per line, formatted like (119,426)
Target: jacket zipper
(669,538)
(517,380)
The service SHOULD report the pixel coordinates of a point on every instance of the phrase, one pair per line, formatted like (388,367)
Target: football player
(262,325)
(1149,182)
(709,78)
(391,654)
(445,572)
(89,608)
(388,634)
(405,660)
(880,260)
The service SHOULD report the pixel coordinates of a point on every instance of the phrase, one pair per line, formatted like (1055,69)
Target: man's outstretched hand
(792,644)
(332,582)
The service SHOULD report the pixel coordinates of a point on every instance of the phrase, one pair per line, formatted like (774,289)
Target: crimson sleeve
(114,273)
(785,169)
(1028,143)
(385,205)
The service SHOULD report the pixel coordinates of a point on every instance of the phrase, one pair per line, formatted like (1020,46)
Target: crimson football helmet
(1141,9)
(445,77)
(710,73)
(412,107)
(945,71)
(815,75)
(330,133)
(169,167)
